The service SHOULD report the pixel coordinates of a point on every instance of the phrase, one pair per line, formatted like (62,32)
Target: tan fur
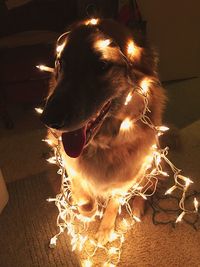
(113,160)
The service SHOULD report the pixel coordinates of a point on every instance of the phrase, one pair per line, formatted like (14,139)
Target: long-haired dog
(98,65)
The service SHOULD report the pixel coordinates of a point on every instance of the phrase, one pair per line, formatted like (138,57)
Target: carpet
(18,152)
(22,152)
(27,224)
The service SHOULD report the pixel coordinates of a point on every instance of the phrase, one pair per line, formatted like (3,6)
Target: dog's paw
(103,235)
(88,209)
(137,213)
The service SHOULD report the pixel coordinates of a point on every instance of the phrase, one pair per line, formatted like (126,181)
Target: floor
(183,106)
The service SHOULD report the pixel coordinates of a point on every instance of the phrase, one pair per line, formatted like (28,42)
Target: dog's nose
(55,125)
(51,121)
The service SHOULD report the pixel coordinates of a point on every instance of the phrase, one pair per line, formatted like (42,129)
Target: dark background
(28,31)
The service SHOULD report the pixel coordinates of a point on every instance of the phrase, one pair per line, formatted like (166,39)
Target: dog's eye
(57,65)
(60,64)
(103,66)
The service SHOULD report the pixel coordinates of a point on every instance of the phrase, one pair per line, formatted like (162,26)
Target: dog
(95,71)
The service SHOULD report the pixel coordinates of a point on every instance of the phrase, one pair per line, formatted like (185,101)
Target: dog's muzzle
(52,122)
(74,139)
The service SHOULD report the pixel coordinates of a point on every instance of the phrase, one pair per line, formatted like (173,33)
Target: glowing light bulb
(102,44)
(157,158)
(51,199)
(196,204)
(109,264)
(188,182)
(60,48)
(48,141)
(92,21)
(52,160)
(133,50)
(162,128)
(82,202)
(137,186)
(39,110)
(60,171)
(113,236)
(52,243)
(154,146)
(122,201)
(74,242)
(185,179)
(180,217)
(137,219)
(145,84)
(170,190)
(122,239)
(148,161)
(113,250)
(45,68)
(128,99)
(87,263)
(164,173)
(82,241)
(143,196)
(125,223)
(72,172)
(126,125)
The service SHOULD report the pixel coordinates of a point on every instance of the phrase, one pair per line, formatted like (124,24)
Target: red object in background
(125,13)
(129,12)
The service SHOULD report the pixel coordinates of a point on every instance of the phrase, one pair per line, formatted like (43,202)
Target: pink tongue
(73,142)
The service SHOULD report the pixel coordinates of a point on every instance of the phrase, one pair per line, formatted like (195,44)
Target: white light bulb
(126,125)
(128,99)
(39,110)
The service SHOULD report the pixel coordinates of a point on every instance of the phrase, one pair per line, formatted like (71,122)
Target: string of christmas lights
(159,208)
(77,225)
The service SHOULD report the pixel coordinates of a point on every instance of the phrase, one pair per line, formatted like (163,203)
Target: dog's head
(91,82)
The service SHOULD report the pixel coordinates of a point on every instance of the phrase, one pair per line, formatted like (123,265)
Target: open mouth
(75,141)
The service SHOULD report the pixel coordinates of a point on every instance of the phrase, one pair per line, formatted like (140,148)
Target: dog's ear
(62,38)
(92,11)
(88,9)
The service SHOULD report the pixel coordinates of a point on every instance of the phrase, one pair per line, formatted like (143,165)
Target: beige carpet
(27,224)
(21,150)
(183,105)
(18,152)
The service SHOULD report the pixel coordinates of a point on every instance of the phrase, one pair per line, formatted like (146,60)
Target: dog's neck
(108,131)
